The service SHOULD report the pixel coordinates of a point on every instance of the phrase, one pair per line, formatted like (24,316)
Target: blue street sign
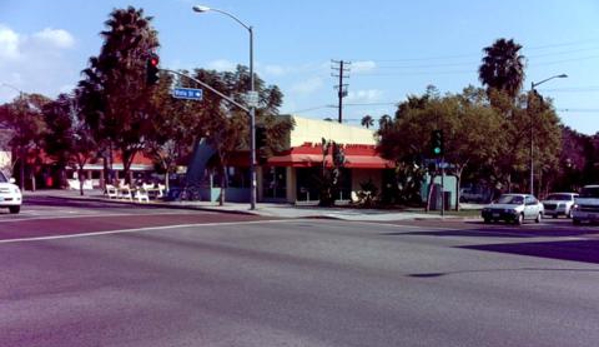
(188,93)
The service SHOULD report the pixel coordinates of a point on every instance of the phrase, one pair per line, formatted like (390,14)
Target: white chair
(141,194)
(161,189)
(125,192)
(112,191)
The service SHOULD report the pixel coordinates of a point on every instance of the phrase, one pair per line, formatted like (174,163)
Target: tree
(68,137)
(470,134)
(176,126)
(114,95)
(330,172)
(367,121)
(385,121)
(24,117)
(227,126)
(502,67)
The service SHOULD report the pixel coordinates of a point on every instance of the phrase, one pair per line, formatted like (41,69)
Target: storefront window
(274,183)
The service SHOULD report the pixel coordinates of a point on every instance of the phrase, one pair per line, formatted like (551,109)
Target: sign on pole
(188,93)
(252,98)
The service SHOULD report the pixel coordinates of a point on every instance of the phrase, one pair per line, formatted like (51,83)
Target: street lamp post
(532,91)
(252,101)
(13,88)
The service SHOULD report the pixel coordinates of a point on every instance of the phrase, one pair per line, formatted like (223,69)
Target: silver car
(559,204)
(513,208)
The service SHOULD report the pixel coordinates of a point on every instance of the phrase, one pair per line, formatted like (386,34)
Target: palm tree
(115,97)
(385,121)
(502,67)
(367,121)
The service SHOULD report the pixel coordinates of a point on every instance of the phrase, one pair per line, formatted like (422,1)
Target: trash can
(447,200)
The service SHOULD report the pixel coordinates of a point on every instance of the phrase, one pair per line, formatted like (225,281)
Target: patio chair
(111,191)
(141,194)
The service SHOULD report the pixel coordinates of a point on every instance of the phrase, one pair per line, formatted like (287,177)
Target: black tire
(554,216)
(576,221)
(487,221)
(520,219)
(570,214)
(539,217)
(14,209)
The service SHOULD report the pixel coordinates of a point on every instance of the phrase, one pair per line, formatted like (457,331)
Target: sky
(396,48)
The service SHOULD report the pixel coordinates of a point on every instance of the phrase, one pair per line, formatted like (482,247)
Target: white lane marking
(93,214)
(123,231)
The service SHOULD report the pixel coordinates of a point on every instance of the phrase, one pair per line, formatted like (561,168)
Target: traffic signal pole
(443,186)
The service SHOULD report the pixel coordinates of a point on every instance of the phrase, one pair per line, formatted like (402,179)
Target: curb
(152,204)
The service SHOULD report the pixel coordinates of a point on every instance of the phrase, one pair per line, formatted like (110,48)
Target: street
(99,274)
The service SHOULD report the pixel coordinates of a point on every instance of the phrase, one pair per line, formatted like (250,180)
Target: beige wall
(5,162)
(312,130)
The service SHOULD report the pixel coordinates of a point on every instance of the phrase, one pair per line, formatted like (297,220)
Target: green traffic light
(437,150)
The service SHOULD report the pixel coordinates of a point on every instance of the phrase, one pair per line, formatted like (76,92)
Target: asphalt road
(121,276)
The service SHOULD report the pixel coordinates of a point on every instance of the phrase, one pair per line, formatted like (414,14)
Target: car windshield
(3,178)
(559,197)
(590,192)
(511,199)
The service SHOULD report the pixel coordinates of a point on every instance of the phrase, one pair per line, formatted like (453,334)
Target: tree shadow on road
(503,232)
(574,250)
(532,269)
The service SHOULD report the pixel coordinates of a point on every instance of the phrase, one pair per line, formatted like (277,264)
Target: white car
(513,208)
(10,194)
(559,204)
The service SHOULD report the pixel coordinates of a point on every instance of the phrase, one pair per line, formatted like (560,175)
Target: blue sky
(397,48)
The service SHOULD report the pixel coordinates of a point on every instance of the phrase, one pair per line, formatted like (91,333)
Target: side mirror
(12,180)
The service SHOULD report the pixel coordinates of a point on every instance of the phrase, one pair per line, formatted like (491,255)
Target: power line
(579,110)
(478,55)
(572,89)
(312,109)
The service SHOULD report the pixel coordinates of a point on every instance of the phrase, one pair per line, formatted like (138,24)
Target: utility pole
(341,87)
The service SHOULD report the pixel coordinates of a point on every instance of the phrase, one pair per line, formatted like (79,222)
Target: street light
(13,88)
(532,91)
(251,96)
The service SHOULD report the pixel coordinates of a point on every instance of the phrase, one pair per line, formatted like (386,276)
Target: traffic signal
(437,143)
(152,70)
(260,136)
(261,144)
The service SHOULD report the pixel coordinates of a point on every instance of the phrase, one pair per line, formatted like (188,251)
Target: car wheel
(487,221)
(14,209)
(554,216)
(520,219)
(576,221)
(539,217)
(570,214)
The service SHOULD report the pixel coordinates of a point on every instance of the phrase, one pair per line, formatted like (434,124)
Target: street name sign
(188,93)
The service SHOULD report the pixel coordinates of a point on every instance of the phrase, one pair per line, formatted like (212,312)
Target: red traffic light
(152,70)
(154,60)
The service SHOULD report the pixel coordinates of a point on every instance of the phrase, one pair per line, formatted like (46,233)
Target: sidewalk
(278,210)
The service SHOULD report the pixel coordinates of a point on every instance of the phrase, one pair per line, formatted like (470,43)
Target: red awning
(310,160)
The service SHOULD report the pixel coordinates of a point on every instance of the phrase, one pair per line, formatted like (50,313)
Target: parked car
(471,195)
(559,204)
(586,207)
(514,208)
(10,194)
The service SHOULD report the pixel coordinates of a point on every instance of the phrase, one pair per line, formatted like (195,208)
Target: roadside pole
(443,186)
